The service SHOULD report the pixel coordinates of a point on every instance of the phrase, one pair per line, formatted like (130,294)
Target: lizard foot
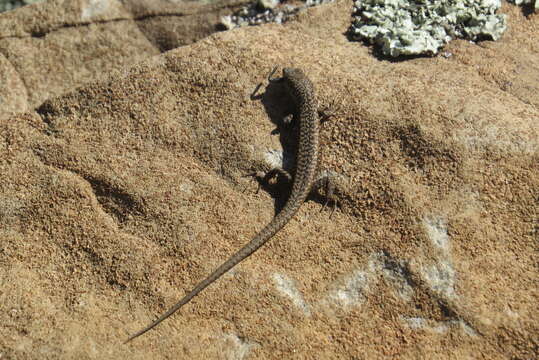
(326,182)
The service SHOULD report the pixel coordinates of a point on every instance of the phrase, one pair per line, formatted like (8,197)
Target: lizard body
(301,90)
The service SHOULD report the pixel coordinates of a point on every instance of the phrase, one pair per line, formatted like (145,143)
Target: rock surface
(119,195)
(50,48)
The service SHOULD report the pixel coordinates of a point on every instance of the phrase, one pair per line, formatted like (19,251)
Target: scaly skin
(300,88)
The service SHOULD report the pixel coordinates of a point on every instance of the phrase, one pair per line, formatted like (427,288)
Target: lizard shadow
(279,105)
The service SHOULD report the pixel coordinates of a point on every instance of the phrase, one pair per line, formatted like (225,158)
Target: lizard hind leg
(276,174)
(325,114)
(272,177)
(325,181)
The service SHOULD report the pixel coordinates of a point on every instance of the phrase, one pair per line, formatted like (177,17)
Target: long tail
(264,235)
(201,286)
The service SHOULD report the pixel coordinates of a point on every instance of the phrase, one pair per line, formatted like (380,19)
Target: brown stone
(119,195)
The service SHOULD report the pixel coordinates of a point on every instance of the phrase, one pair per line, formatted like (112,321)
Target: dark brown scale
(300,88)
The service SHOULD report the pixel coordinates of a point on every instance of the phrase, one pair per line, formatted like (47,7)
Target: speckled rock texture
(53,47)
(118,195)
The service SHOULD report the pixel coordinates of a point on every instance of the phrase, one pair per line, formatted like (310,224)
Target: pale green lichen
(403,27)
(266,11)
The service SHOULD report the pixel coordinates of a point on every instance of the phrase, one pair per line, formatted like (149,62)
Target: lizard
(301,90)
